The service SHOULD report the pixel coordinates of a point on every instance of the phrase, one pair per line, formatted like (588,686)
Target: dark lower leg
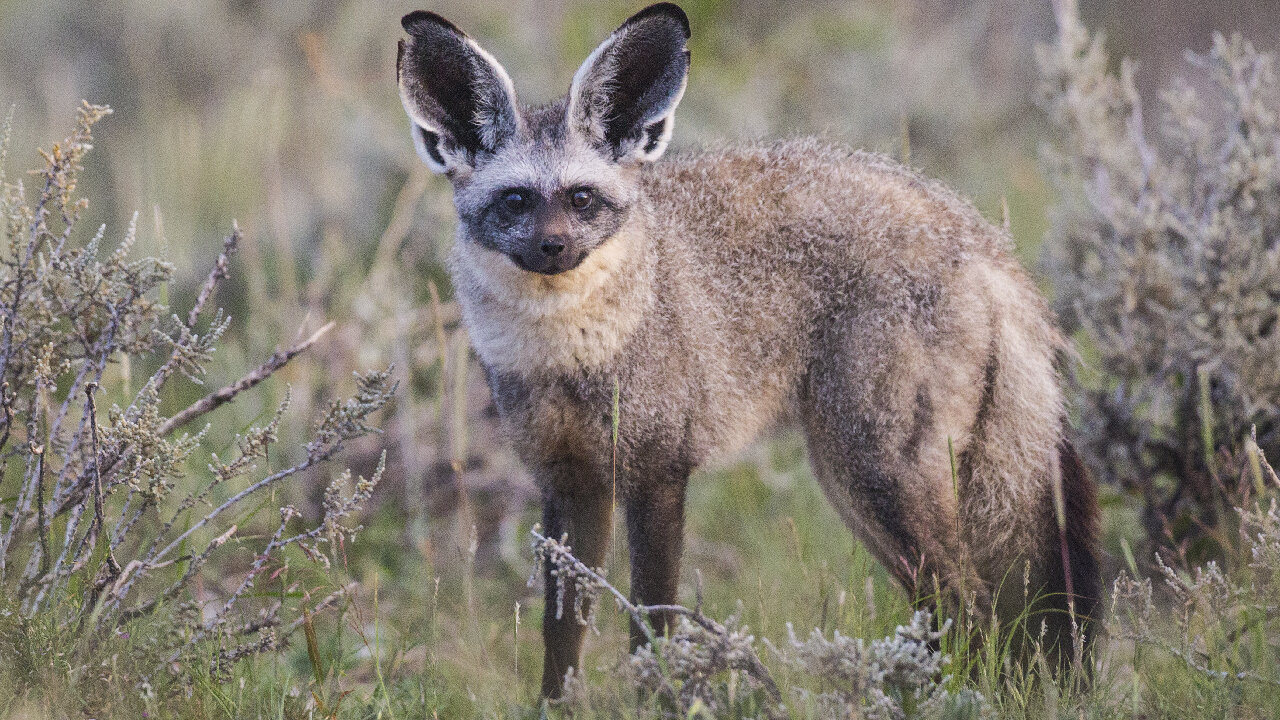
(587,521)
(655,531)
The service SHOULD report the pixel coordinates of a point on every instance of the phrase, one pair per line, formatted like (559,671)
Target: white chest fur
(521,321)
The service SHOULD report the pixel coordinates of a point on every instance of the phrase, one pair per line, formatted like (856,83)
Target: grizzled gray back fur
(726,289)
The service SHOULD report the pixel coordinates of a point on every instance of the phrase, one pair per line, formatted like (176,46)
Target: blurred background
(284,116)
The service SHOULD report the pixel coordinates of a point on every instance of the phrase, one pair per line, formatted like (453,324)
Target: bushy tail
(1073,586)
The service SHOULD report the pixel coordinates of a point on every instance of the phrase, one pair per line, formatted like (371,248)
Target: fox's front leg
(586,516)
(655,532)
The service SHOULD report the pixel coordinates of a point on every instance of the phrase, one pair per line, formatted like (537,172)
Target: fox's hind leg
(912,533)
(879,451)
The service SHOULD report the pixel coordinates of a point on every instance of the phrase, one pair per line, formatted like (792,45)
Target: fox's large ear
(623,97)
(460,100)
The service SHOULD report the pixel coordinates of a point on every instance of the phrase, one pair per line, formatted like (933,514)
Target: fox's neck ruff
(524,322)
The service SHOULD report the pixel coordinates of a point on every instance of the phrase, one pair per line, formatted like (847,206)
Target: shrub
(1165,255)
(705,668)
(104,525)
(1220,631)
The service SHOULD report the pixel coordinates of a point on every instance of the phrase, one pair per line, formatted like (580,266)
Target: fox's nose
(551,248)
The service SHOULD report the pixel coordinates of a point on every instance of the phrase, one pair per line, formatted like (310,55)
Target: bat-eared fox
(725,290)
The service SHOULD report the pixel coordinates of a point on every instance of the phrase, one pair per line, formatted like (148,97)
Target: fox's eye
(514,200)
(581,199)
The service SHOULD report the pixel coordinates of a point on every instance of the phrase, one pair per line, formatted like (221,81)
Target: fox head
(543,186)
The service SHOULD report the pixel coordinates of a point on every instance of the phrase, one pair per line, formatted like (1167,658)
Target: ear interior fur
(625,94)
(459,98)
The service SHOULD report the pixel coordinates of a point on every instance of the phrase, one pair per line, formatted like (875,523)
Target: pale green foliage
(1224,619)
(891,678)
(712,669)
(1166,256)
(706,668)
(106,520)
(444,632)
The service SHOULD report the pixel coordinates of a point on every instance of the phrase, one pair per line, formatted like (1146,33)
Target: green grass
(311,154)
(428,637)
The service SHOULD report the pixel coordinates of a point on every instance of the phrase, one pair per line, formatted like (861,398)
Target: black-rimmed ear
(623,97)
(460,100)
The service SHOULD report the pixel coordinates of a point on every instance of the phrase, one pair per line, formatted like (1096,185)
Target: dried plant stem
(225,395)
(640,613)
(7,401)
(99,523)
(20,272)
(42,522)
(269,480)
(288,630)
(401,217)
(200,407)
(1190,662)
(216,275)
(68,310)
(329,601)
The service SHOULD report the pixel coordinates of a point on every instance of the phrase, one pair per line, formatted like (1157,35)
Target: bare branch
(330,600)
(1191,663)
(560,555)
(223,396)
(216,275)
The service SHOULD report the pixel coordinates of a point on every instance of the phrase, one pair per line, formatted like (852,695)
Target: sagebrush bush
(1223,616)
(107,522)
(1165,256)
(705,668)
